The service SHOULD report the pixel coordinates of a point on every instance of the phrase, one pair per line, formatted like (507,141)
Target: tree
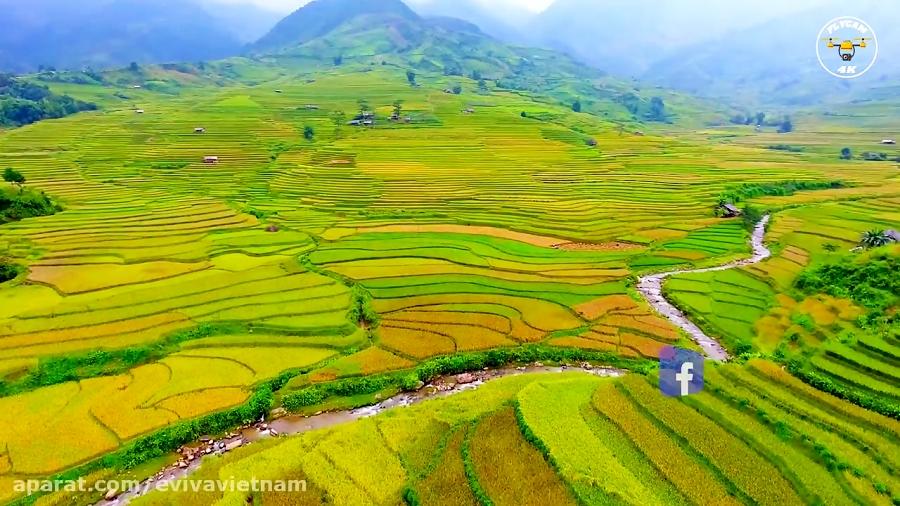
(411,77)
(363,106)
(846,154)
(339,119)
(576,106)
(398,108)
(760,119)
(8,270)
(338,60)
(482,86)
(476,75)
(457,89)
(523,114)
(309,133)
(657,109)
(786,125)
(874,239)
(11,175)
(134,67)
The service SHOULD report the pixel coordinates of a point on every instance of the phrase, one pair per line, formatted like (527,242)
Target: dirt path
(650,287)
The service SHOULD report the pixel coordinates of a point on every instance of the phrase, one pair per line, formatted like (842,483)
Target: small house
(137,86)
(888,141)
(729,210)
(139,111)
(892,235)
(639,133)
(211,159)
(278,91)
(407,119)
(368,122)
(312,107)
(469,111)
(199,130)
(354,122)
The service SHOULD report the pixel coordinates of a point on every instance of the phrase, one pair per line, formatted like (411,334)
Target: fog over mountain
(105,33)
(706,47)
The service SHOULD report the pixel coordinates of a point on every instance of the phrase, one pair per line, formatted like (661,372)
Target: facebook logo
(680,372)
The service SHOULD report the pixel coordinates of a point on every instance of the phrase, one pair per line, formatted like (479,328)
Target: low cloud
(496,5)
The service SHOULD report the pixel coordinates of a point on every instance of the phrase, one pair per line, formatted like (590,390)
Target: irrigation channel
(192,456)
(650,287)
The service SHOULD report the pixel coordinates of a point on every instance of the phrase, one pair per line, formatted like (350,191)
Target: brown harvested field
(596,308)
(536,240)
(606,246)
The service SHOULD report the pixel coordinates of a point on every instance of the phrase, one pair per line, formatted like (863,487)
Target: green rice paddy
(369,250)
(738,442)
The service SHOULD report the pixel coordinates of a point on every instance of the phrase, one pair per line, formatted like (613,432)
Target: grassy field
(364,250)
(755,436)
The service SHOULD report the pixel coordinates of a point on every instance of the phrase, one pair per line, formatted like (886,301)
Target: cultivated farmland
(531,439)
(176,293)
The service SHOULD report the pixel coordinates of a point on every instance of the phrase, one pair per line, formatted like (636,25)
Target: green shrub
(786,147)
(8,270)
(804,320)
(778,188)
(870,280)
(24,203)
(454,364)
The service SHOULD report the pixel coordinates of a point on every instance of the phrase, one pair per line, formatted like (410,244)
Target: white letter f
(685,377)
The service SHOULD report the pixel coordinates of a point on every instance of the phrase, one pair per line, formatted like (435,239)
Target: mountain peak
(319,17)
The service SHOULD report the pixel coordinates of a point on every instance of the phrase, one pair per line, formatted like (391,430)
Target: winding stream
(650,287)
(192,456)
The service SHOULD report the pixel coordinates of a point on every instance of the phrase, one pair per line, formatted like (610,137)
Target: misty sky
(498,5)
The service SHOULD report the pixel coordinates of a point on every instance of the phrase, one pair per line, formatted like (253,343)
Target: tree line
(23,102)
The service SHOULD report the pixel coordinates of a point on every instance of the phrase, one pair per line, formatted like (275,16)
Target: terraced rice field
(758,304)
(755,435)
(367,250)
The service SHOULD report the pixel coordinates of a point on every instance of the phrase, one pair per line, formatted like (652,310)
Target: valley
(346,217)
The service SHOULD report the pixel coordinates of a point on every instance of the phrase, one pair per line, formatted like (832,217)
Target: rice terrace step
(409,252)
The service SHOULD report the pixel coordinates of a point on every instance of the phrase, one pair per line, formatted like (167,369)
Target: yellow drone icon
(846,48)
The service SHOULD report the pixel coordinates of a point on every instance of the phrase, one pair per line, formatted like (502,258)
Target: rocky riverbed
(190,457)
(650,287)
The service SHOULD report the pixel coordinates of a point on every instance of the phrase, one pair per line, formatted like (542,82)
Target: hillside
(23,103)
(107,33)
(739,61)
(633,35)
(741,65)
(327,33)
(317,251)
(380,207)
(566,439)
(321,17)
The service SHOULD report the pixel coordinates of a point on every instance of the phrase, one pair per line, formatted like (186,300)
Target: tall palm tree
(874,239)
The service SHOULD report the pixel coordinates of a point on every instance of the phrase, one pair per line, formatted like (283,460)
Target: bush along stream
(241,424)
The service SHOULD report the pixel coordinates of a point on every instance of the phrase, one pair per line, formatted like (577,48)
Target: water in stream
(650,287)
(295,424)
